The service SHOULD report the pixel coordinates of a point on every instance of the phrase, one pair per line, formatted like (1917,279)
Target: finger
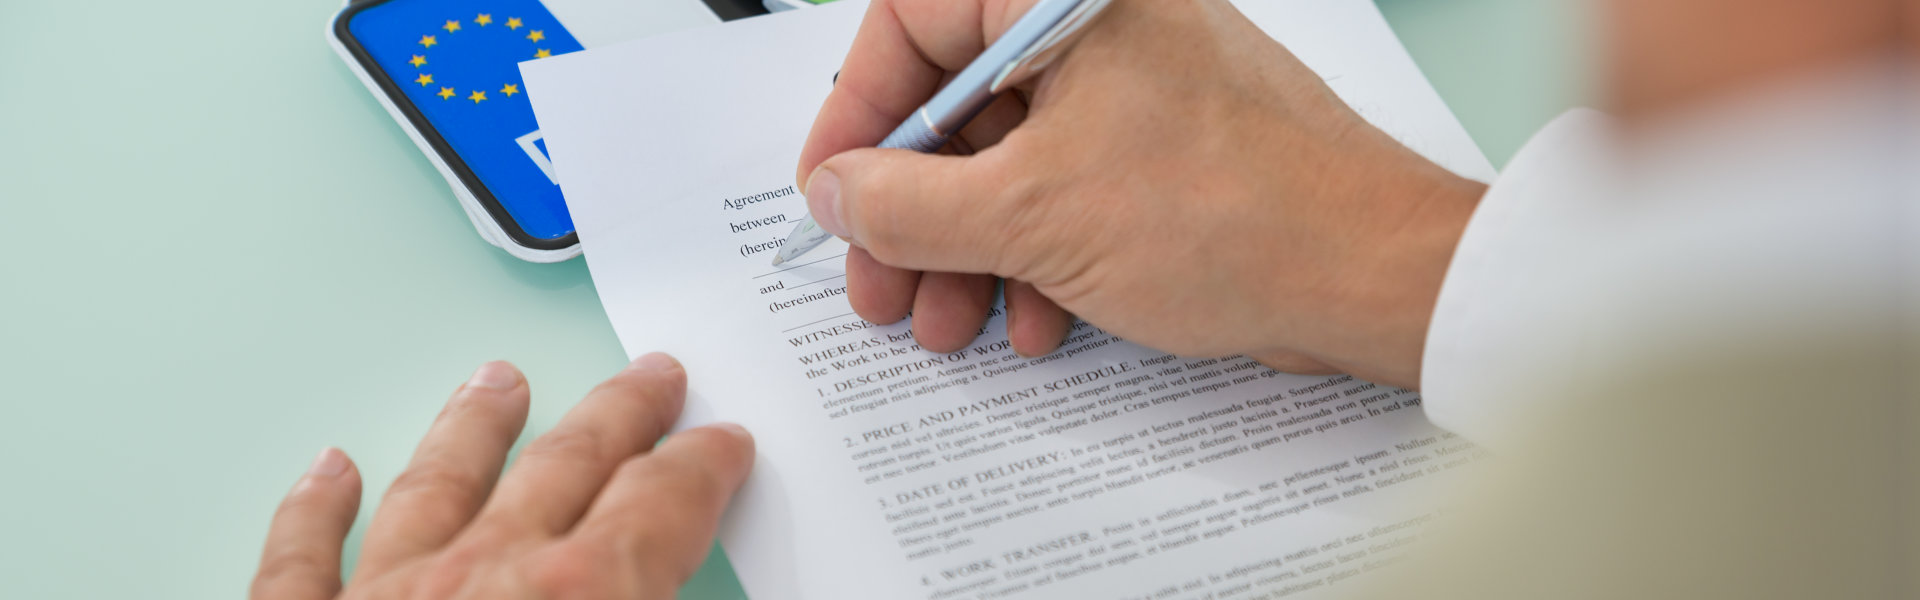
(879,293)
(950,308)
(451,472)
(1293,362)
(925,212)
(301,560)
(1035,324)
(548,489)
(660,510)
(898,57)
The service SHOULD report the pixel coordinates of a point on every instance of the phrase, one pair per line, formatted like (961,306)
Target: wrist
(1389,279)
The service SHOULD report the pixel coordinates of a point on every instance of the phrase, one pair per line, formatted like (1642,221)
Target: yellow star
(513,22)
(543,53)
(428,41)
(451,26)
(477,96)
(424,80)
(483,20)
(537,35)
(511,89)
(446,93)
(417,61)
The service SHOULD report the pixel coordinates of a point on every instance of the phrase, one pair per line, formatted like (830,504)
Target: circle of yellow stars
(425,79)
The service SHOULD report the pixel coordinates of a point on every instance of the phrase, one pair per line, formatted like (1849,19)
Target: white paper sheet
(1104,471)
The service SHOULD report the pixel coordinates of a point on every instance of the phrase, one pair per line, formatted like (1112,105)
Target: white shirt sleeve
(1488,320)
(1768,222)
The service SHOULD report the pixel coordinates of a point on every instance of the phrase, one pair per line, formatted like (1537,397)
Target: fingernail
(823,199)
(654,362)
(735,429)
(496,375)
(328,463)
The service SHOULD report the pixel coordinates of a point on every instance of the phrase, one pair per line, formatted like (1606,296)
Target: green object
(161,392)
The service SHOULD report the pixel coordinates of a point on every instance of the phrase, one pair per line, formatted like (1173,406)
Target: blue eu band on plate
(457,62)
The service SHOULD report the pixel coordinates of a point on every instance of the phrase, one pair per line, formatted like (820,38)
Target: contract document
(1104,470)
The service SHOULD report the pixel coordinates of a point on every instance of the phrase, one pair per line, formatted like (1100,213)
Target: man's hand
(591,510)
(1179,179)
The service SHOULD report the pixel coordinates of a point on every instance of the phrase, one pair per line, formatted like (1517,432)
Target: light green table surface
(221,255)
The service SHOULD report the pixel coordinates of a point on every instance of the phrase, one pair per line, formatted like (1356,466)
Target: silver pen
(1039,37)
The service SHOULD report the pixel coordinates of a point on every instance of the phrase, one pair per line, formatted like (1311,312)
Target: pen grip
(916,135)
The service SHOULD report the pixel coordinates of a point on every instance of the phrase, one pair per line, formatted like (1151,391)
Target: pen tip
(778,260)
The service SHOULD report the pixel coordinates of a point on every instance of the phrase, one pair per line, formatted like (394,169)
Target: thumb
(926,212)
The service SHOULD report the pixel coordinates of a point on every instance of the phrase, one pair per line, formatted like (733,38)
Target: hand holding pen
(1179,179)
(1048,29)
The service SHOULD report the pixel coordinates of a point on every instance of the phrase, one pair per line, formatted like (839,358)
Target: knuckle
(304,499)
(665,549)
(877,303)
(877,209)
(468,403)
(425,524)
(876,230)
(1014,187)
(565,571)
(435,482)
(286,564)
(620,385)
(677,478)
(478,552)
(581,443)
(705,477)
(645,387)
(447,574)
(1014,210)
(721,447)
(492,536)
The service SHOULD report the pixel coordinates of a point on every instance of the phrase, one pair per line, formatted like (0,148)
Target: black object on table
(736,9)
